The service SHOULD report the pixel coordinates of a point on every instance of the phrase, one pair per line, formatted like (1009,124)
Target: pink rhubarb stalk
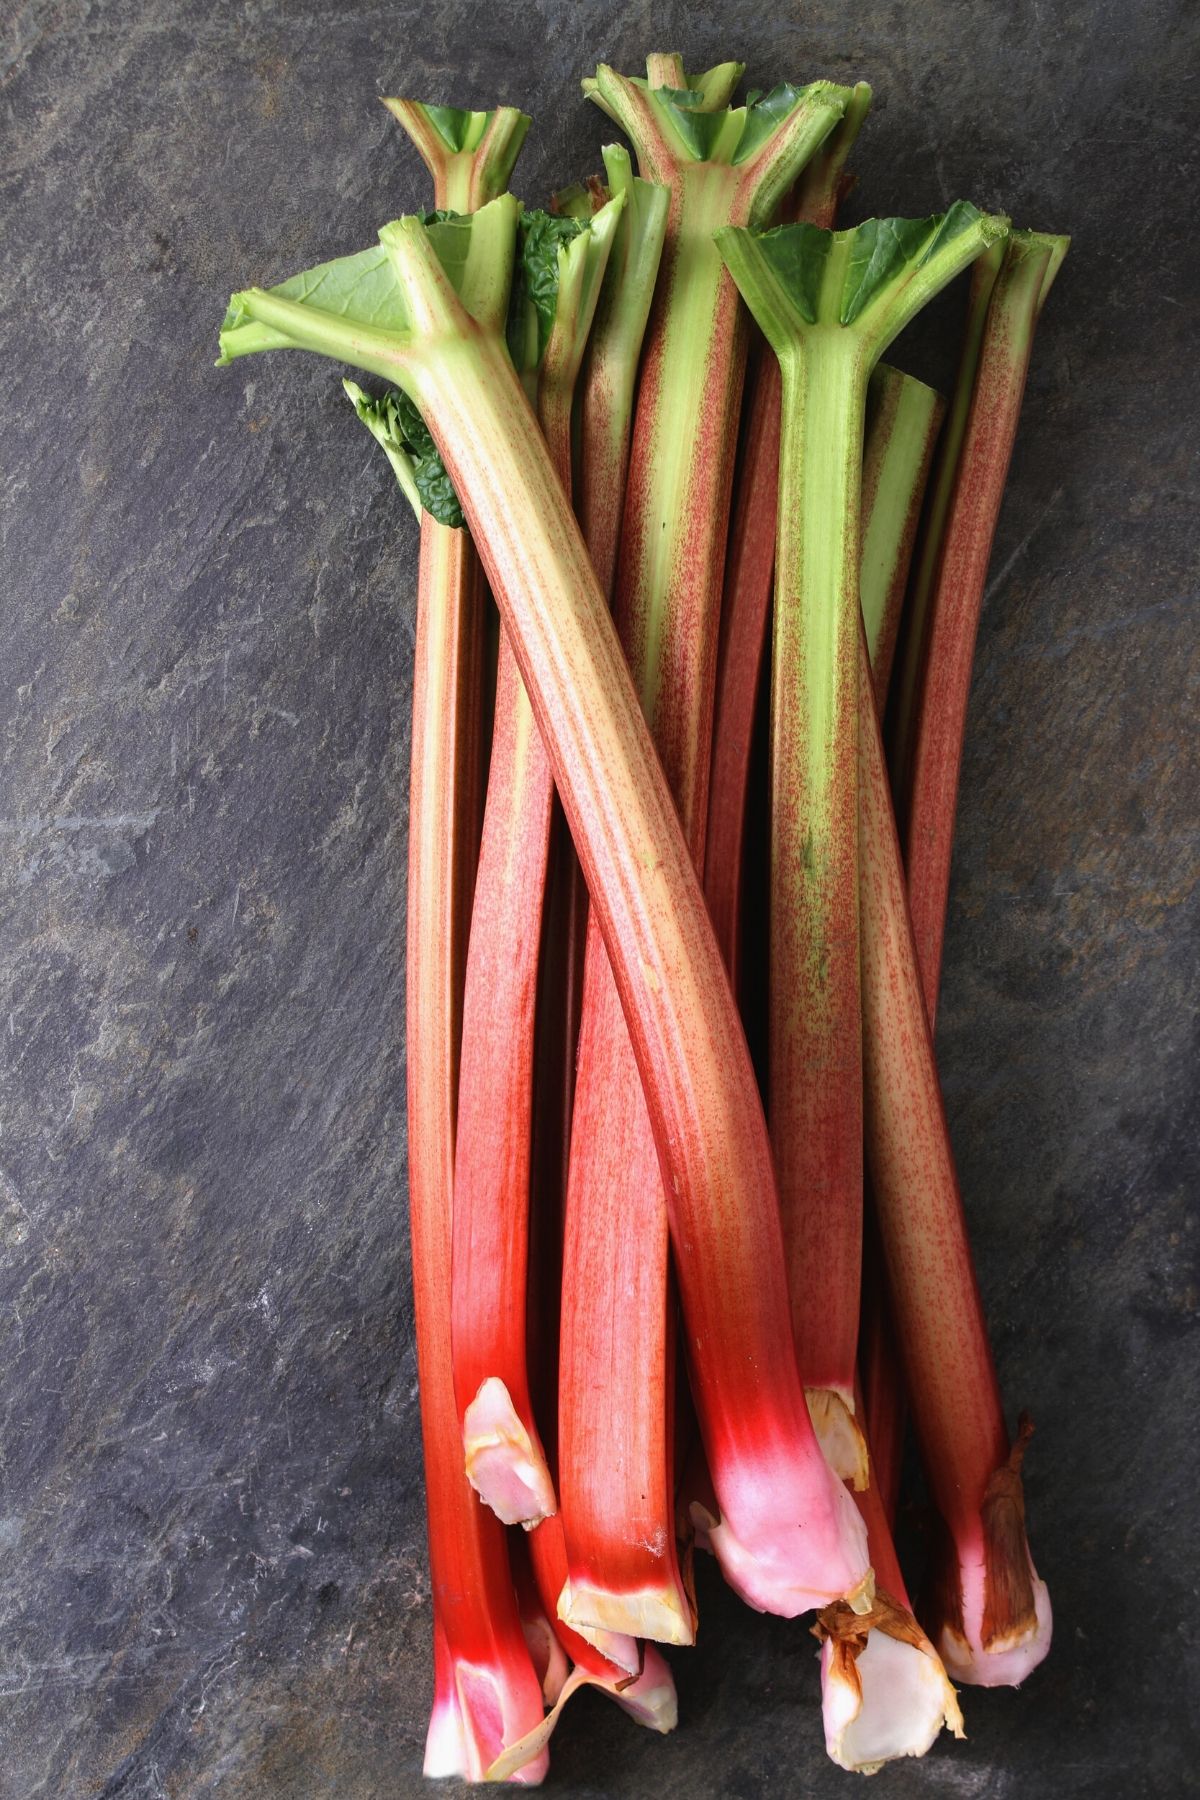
(486,1695)
(1030,264)
(614,1411)
(505,1460)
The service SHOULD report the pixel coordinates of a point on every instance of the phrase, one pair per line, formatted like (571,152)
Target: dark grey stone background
(212,1565)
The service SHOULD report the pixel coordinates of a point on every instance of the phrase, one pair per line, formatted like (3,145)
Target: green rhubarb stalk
(953,600)
(615,1488)
(470,155)
(903,418)
(829,303)
(394,311)
(750,565)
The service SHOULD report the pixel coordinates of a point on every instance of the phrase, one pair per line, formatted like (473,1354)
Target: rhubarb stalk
(750,568)
(558,284)
(829,303)
(991,1613)
(1030,264)
(486,1694)
(903,418)
(614,1473)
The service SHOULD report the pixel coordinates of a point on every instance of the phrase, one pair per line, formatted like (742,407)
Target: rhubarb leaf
(879,251)
(871,280)
(798,254)
(764,115)
(356,309)
(458,129)
(395,423)
(542,235)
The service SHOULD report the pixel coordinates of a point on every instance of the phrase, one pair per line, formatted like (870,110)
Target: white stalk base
(504,1465)
(896,1707)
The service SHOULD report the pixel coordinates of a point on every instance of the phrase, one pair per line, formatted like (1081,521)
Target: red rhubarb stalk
(486,1695)
(750,570)
(505,1460)
(614,1477)
(906,697)
(1030,264)
(991,1617)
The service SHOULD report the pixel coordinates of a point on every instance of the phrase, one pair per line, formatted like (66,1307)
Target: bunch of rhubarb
(645,1322)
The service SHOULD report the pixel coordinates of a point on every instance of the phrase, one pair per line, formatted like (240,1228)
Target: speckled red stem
(932,779)
(486,1693)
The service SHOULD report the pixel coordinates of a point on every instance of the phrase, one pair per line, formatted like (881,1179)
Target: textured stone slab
(212,1569)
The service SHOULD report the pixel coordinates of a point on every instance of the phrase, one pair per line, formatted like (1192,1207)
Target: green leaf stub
(394,420)
(765,114)
(797,254)
(879,250)
(535,284)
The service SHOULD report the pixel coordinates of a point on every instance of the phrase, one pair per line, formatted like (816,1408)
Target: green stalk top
(802,283)
(470,155)
(560,265)
(707,93)
(768,141)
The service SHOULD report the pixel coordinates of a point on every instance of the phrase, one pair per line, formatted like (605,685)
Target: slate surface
(212,1567)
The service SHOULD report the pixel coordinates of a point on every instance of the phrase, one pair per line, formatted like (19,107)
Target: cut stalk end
(617,1645)
(504,1465)
(884,1690)
(649,1697)
(839,1436)
(662,1614)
